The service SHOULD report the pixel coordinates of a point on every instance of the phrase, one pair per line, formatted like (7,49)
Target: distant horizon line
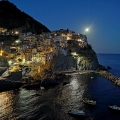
(107,53)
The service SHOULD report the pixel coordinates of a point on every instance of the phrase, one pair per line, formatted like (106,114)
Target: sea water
(112,60)
(54,103)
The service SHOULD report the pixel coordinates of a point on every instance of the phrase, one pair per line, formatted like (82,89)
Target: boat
(114,107)
(92,77)
(90,102)
(76,112)
(42,88)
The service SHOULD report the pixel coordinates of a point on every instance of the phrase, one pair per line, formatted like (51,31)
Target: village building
(3,30)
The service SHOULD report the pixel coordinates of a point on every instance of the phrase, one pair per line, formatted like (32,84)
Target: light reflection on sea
(54,103)
(7,100)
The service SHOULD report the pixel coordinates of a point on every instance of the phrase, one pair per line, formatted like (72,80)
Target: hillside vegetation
(11,17)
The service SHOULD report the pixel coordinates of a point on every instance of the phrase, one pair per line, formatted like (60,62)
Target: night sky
(102,17)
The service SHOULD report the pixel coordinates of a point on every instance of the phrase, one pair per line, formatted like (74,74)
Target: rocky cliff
(11,18)
(85,60)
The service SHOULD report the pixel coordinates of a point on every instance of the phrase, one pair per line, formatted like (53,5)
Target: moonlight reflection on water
(54,103)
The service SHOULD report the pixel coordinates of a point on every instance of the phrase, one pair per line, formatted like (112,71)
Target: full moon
(87,29)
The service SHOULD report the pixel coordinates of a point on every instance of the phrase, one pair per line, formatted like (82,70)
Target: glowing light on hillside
(10,62)
(16,32)
(73,53)
(79,40)
(1,53)
(17,41)
(68,38)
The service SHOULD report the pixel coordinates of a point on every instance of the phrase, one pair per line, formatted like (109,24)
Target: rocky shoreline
(15,81)
(110,76)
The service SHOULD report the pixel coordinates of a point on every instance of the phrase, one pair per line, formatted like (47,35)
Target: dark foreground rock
(60,76)
(2,71)
(31,86)
(14,81)
(47,82)
(65,83)
(6,85)
(108,68)
(101,67)
(15,76)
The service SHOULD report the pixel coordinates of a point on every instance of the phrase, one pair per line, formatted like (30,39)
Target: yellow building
(11,55)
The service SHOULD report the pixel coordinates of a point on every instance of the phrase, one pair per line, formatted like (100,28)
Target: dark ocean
(54,103)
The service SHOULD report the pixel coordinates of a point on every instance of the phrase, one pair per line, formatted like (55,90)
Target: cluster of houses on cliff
(43,47)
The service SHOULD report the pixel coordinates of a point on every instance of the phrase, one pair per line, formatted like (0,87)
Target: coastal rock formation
(6,85)
(31,86)
(47,82)
(85,60)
